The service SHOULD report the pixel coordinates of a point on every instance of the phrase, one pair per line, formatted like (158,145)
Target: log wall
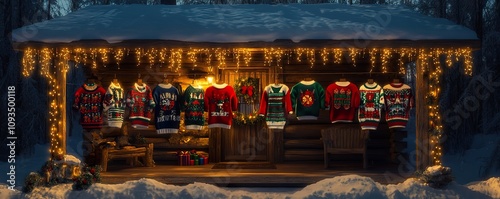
(299,141)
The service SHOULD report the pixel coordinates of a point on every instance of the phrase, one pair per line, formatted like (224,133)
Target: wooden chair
(132,154)
(344,139)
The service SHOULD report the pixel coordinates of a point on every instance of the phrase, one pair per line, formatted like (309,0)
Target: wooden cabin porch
(289,174)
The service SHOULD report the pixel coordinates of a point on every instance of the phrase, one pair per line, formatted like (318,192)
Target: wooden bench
(344,139)
(132,154)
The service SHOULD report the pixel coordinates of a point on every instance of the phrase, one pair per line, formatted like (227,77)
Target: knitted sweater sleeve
(150,98)
(382,100)
(293,97)
(263,103)
(108,99)
(206,99)
(288,103)
(328,96)
(321,95)
(76,103)
(355,96)
(234,100)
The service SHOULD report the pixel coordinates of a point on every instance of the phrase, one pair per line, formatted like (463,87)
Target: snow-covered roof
(242,23)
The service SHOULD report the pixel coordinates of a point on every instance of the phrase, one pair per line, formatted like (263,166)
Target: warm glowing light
(53,60)
(210,78)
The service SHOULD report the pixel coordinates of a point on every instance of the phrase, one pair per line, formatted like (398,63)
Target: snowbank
(349,186)
(489,187)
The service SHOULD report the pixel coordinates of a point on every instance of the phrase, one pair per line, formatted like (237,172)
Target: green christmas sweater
(275,105)
(194,108)
(308,98)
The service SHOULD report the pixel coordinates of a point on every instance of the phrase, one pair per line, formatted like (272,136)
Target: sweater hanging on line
(307,97)
(140,101)
(342,98)
(89,101)
(275,105)
(115,105)
(398,102)
(167,108)
(372,101)
(220,102)
(194,108)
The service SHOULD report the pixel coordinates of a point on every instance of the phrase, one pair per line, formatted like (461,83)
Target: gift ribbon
(247,90)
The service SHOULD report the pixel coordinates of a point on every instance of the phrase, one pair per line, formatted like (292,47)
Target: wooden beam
(422,118)
(315,43)
(61,101)
(214,145)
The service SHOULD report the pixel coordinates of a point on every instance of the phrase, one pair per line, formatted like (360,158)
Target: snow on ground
(465,169)
(349,186)
(242,23)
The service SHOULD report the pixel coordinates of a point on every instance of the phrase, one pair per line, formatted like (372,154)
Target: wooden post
(279,152)
(422,118)
(61,102)
(149,155)
(214,145)
(270,146)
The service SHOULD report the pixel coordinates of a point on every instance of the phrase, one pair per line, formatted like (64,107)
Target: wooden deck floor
(286,174)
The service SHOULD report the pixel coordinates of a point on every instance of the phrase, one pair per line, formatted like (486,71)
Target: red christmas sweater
(398,102)
(89,101)
(342,98)
(140,101)
(220,102)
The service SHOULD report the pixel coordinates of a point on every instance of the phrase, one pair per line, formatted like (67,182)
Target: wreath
(247,89)
(251,119)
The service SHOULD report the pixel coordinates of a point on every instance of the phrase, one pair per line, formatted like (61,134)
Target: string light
(237,54)
(299,52)
(192,56)
(151,54)
(64,57)
(104,53)
(337,55)
(28,62)
(373,57)
(118,56)
(311,56)
(138,55)
(386,55)
(247,56)
(429,60)
(93,55)
(324,56)
(353,53)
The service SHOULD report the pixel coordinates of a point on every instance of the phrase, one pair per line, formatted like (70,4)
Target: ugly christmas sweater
(140,101)
(342,99)
(398,102)
(167,109)
(89,101)
(275,105)
(220,102)
(115,105)
(372,100)
(307,97)
(194,108)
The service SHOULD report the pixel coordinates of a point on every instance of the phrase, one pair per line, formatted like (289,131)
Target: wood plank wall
(299,141)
